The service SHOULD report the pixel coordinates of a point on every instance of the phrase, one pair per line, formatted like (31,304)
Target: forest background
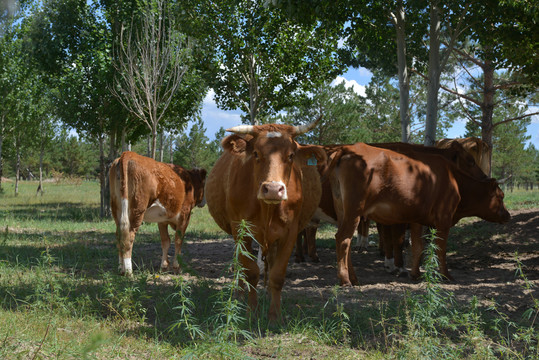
(82,81)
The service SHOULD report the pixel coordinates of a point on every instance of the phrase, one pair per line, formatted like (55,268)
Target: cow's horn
(242,129)
(302,129)
(504,180)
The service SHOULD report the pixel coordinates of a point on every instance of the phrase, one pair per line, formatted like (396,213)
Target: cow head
(466,162)
(198,178)
(496,212)
(272,150)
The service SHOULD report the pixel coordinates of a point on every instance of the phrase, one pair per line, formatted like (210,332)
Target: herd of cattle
(282,187)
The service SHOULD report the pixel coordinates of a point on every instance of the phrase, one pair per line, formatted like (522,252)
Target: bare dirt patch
(481,258)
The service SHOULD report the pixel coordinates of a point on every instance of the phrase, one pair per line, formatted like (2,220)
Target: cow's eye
(291,157)
(255,154)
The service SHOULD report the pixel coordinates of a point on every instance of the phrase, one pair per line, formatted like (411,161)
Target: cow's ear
(236,144)
(311,155)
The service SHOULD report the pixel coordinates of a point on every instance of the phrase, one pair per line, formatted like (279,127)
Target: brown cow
(142,189)
(264,177)
(392,188)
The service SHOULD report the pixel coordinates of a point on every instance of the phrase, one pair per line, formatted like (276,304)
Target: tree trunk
(434,74)
(487,106)
(17,167)
(404,80)
(161,145)
(171,143)
(1,159)
(102,176)
(41,154)
(124,145)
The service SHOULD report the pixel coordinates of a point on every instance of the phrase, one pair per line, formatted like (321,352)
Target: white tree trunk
(404,79)
(433,75)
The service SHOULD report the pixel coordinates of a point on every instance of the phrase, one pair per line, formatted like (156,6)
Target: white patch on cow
(128,267)
(273,134)
(260,262)
(362,241)
(124,217)
(389,265)
(321,215)
(156,213)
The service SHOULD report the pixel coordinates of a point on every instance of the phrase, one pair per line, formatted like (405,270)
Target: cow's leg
(178,242)
(398,233)
(441,242)
(343,238)
(416,232)
(125,249)
(310,242)
(299,246)
(363,234)
(251,271)
(385,234)
(277,258)
(165,245)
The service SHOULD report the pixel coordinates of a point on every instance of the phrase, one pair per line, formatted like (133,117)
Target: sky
(214,118)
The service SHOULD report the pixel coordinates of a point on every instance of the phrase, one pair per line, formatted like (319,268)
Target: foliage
(195,149)
(263,61)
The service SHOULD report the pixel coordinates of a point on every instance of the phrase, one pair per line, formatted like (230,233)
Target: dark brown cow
(392,188)
(390,246)
(264,177)
(392,240)
(470,154)
(142,189)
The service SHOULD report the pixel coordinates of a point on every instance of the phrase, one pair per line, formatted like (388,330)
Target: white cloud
(358,89)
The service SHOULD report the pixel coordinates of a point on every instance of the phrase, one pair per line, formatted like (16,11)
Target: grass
(62,298)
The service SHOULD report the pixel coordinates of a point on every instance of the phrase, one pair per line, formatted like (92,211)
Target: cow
(477,148)
(266,178)
(390,246)
(142,189)
(392,240)
(392,188)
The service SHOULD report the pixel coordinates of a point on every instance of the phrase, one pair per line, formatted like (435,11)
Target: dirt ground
(481,259)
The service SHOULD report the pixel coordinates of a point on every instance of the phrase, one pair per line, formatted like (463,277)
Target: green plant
(186,307)
(341,320)
(229,310)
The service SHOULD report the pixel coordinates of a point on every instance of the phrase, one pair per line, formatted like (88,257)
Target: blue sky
(214,118)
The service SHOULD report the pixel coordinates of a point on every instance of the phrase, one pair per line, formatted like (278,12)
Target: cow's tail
(124,202)
(123,223)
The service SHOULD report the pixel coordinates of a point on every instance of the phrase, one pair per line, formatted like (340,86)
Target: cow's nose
(273,191)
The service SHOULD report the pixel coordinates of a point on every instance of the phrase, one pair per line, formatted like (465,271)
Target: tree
(264,62)
(194,149)
(340,108)
(150,66)
(498,61)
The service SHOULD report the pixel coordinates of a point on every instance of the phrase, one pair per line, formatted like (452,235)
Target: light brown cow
(264,177)
(477,148)
(142,189)
(392,188)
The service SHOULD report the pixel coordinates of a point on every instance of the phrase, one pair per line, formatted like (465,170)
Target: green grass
(61,297)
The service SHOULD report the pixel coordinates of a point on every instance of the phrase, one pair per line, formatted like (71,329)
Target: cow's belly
(157,213)
(389,214)
(321,215)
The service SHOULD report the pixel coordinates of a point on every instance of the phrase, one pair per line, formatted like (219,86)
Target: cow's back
(217,188)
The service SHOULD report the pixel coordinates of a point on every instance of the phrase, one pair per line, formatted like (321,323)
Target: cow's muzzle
(272,192)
